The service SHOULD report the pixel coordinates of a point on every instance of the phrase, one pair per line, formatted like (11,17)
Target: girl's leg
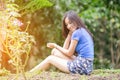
(58,62)
(61,55)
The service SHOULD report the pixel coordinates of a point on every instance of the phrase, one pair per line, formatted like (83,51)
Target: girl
(78,40)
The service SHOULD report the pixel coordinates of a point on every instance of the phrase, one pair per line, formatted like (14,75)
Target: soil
(64,76)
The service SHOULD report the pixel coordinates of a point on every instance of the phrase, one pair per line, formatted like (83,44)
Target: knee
(53,51)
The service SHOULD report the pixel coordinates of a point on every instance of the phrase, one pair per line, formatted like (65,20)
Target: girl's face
(70,25)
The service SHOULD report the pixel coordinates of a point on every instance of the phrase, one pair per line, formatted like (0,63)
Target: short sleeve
(76,35)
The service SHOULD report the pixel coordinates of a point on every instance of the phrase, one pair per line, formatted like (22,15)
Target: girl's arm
(68,52)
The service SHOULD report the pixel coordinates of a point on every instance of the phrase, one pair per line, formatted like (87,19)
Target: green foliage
(102,71)
(102,64)
(101,17)
(34,5)
(113,4)
(103,20)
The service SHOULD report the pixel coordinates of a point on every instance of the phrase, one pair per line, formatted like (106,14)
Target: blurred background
(102,18)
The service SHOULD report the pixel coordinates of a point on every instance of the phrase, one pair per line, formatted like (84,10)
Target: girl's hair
(73,17)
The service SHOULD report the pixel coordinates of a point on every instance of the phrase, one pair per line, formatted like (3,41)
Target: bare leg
(61,55)
(55,61)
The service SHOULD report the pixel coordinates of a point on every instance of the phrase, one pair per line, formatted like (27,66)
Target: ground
(52,75)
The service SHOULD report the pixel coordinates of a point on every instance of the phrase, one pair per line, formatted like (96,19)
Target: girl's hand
(51,45)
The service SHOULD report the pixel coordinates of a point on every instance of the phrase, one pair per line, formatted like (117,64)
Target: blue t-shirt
(85,46)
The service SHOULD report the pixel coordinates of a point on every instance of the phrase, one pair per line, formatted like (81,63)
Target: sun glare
(13,50)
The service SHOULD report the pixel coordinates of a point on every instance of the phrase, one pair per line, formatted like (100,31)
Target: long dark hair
(73,17)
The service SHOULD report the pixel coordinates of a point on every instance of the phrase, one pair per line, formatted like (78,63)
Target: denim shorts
(81,66)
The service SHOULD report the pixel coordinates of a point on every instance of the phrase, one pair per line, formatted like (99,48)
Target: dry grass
(51,75)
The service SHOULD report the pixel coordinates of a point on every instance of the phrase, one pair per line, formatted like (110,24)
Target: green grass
(55,75)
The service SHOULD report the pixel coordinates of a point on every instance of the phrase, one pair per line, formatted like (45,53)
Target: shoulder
(76,34)
(79,31)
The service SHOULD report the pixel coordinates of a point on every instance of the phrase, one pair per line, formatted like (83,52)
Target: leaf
(34,5)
